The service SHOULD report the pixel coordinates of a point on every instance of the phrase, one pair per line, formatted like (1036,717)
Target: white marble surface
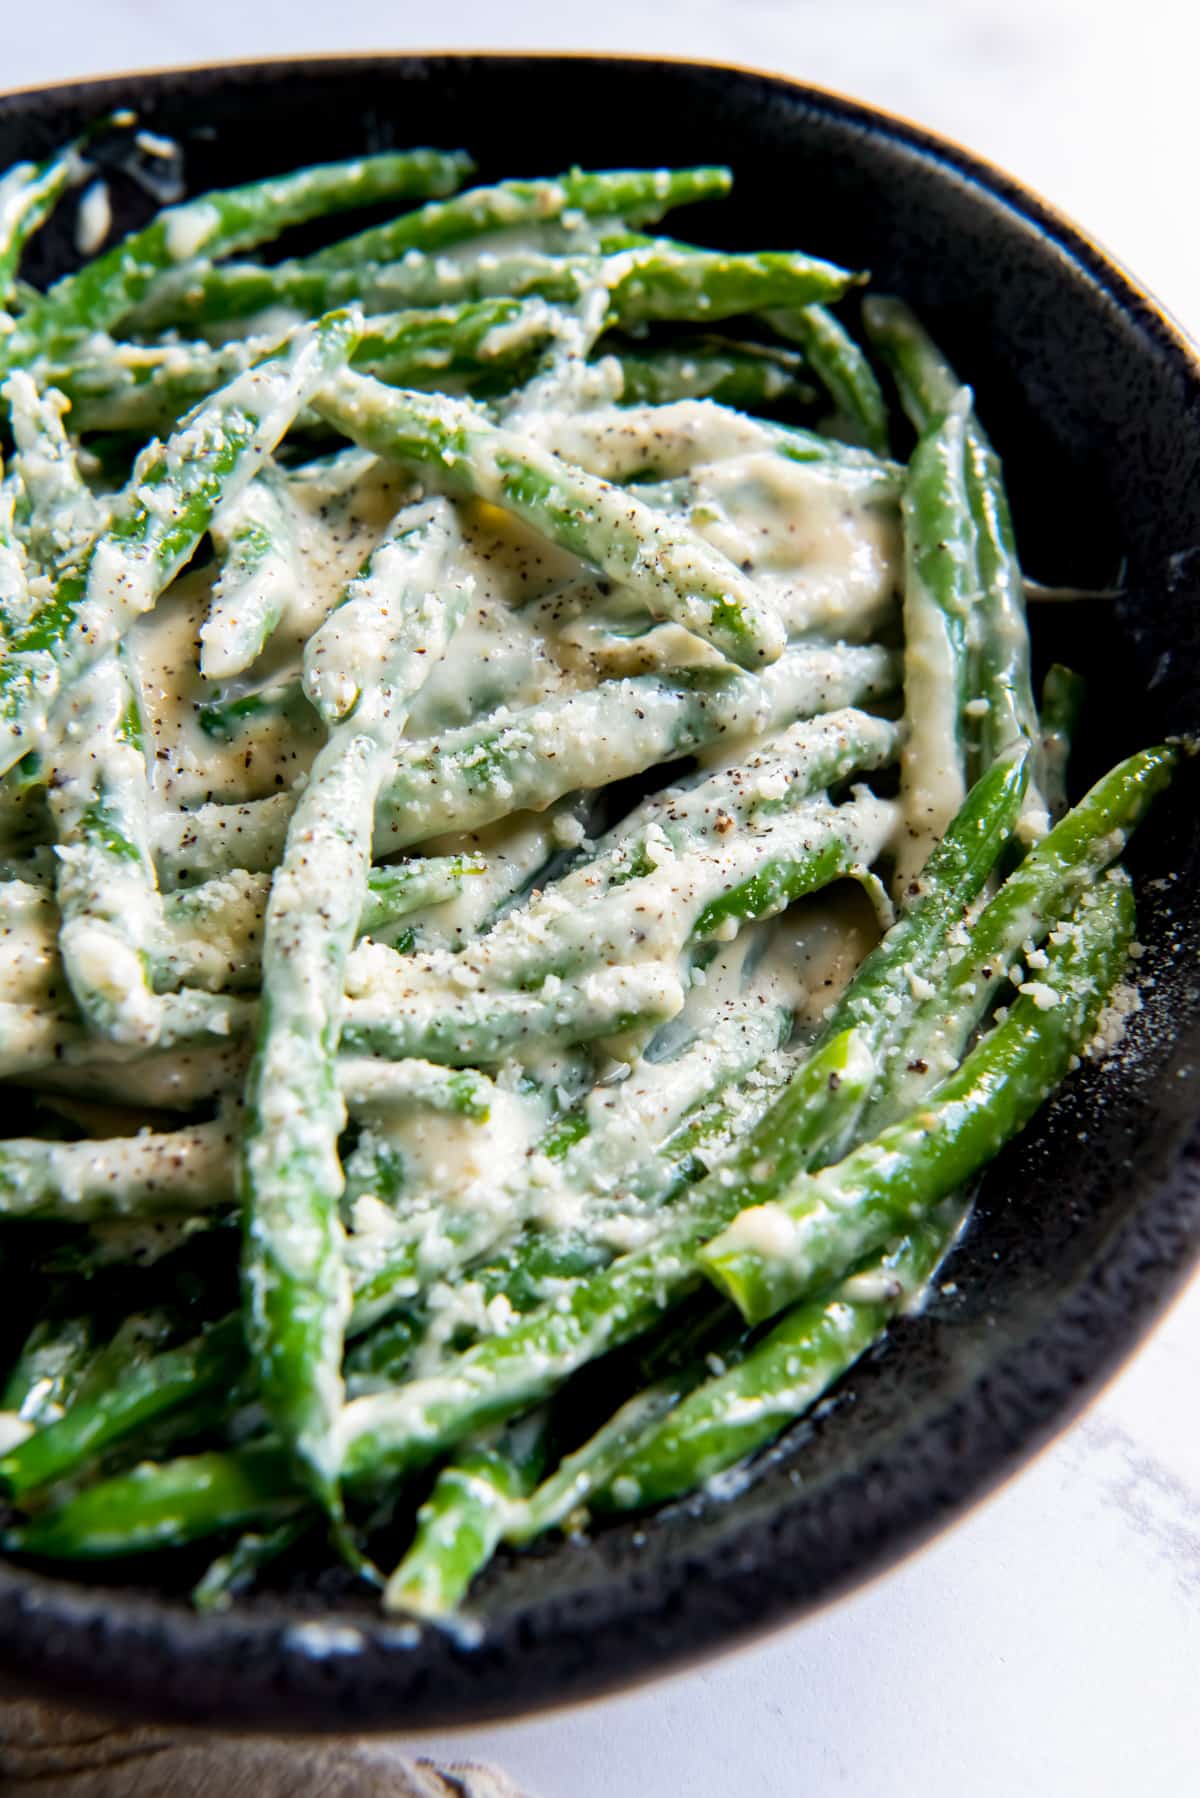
(1050,1643)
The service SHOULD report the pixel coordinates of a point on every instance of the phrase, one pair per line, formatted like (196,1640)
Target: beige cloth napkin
(46,1752)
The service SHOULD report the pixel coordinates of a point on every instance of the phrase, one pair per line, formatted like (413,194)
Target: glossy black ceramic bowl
(1084,1227)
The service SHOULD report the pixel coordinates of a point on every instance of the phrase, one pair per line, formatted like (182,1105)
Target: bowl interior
(1084,1225)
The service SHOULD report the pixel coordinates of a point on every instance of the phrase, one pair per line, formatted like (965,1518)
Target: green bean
(157,523)
(927,384)
(105,876)
(645,279)
(881,992)
(590,1467)
(939,594)
(640,196)
(477,774)
(463,1519)
(294,1283)
(595,1143)
(233,1573)
(675,572)
(843,370)
(1003,676)
(353,651)
(163,1505)
(254,537)
(717,1425)
(29,192)
(397,889)
(1001,680)
(652,278)
(369,1085)
(387,1433)
(135,1341)
(105,885)
(1063,696)
(489,1026)
(58,516)
(745,375)
(217,224)
(174,1380)
(199,297)
(62,1058)
(184,1170)
(517,853)
(781,1250)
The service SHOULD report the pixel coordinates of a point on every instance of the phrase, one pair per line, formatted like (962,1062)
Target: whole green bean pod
(776,1252)
(838,363)
(185,1170)
(147,387)
(163,1505)
(200,298)
(231,1574)
(645,279)
(29,192)
(1001,678)
(488,1027)
(296,1295)
(254,536)
(639,196)
(56,514)
(940,585)
(105,883)
(215,224)
(656,277)
(1063,695)
(672,570)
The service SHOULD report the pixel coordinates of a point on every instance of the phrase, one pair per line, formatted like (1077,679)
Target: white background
(1050,1644)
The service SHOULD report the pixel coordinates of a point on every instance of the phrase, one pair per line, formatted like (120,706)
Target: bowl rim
(60,1604)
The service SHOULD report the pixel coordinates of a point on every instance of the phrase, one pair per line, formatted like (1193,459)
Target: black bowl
(1084,1227)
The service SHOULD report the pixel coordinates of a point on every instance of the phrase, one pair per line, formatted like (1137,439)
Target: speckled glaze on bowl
(1085,1226)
